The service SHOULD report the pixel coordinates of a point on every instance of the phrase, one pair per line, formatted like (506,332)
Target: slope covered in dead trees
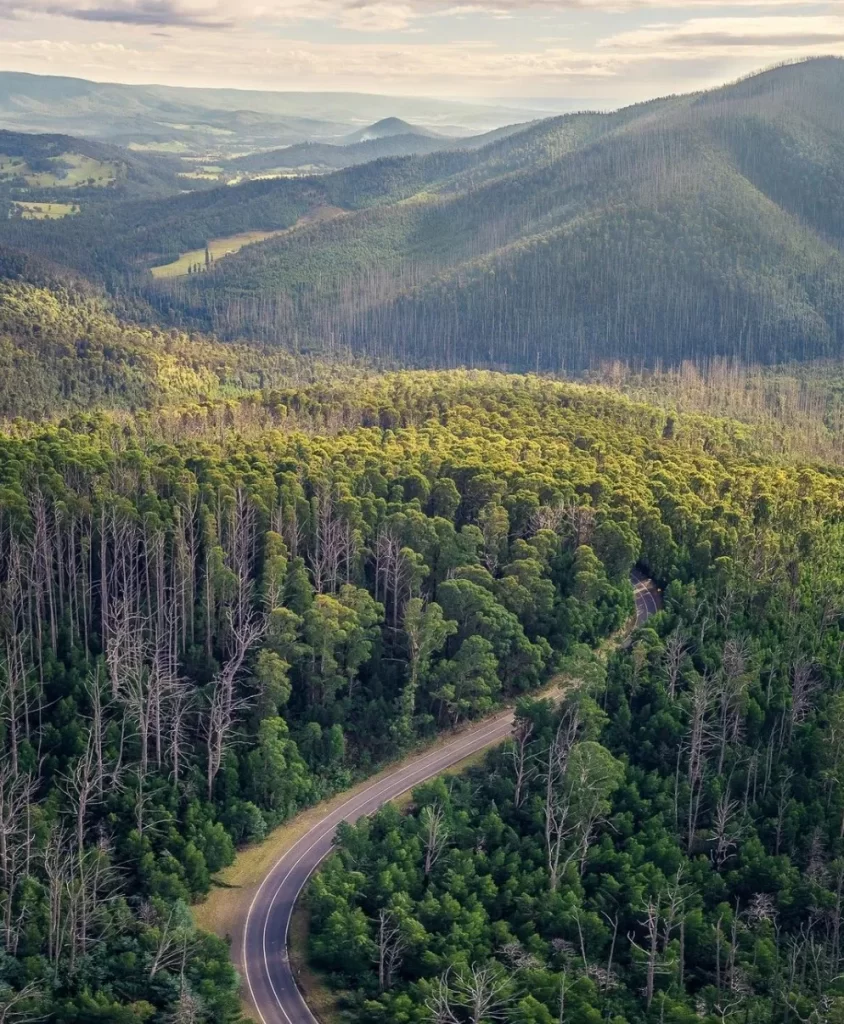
(694,227)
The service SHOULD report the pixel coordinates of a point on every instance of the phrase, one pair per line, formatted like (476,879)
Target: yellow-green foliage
(61,350)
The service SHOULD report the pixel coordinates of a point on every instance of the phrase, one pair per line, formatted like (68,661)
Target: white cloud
(355,15)
(213,42)
(763,38)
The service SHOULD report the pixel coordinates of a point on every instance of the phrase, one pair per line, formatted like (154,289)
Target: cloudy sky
(614,51)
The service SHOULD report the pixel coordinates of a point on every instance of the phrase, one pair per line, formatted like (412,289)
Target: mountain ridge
(690,227)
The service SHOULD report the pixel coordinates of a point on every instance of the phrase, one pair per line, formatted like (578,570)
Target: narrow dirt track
(270,981)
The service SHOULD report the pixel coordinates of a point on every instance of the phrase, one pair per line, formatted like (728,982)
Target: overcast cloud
(613,50)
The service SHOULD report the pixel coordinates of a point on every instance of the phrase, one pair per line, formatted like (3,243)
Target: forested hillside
(242,566)
(62,350)
(691,229)
(694,227)
(214,617)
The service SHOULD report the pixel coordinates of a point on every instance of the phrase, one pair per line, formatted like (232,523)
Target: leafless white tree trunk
(391,946)
(523,767)
(435,834)
(559,824)
(225,704)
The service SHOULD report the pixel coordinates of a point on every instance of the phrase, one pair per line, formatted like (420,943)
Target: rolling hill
(692,227)
(388,128)
(36,169)
(322,156)
(185,121)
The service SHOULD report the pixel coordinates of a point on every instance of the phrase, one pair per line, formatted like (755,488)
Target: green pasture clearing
(172,146)
(72,170)
(11,167)
(46,211)
(221,247)
(218,247)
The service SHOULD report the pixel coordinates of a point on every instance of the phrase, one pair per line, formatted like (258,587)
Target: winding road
(270,981)
(647,596)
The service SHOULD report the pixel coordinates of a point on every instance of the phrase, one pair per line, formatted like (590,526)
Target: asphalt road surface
(648,597)
(270,980)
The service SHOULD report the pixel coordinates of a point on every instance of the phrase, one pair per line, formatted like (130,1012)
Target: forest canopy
(206,627)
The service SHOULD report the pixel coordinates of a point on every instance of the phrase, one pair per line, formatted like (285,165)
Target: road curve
(647,596)
(269,978)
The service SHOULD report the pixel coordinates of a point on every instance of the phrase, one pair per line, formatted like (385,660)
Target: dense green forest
(695,227)
(214,613)
(665,846)
(63,350)
(244,561)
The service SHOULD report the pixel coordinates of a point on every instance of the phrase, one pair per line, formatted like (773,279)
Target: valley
(653,233)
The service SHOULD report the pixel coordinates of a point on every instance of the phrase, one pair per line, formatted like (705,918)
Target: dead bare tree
(565,988)
(438,1003)
(171,948)
(84,787)
(650,951)
(189,1008)
(786,775)
(89,889)
(613,922)
(225,705)
(728,829)
(524,767)
(334,548)
(569,515)
(731,687)
(182,704)
(17,795)
(391,946)
(56,868)
(13,1009)
(482,991)
(517,958)
(559,822)
(393,573)
(698,745)
(804,686)
(478,994)
(674,654)
(435,834)
(14,710)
